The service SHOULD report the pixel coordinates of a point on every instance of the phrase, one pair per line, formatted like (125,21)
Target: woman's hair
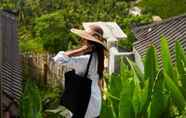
(100,52)
(99,48)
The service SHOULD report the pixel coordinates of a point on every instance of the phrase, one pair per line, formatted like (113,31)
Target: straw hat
(91,34)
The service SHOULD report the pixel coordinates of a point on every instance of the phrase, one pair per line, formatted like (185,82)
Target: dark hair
(100,52)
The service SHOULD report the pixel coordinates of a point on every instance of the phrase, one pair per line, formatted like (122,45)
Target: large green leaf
(140,90)
(150,65)
(36,101)
(139,99)
(160,97)
(166,59)
(180,58)
(150,73)
(125,72)
(176,94)
(115,85)
(115,90)
(125,106)
(107,109)
(31,101)
(136,98)
(136,71)
(181,63)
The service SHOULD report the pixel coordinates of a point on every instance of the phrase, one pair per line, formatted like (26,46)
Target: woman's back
(79,63)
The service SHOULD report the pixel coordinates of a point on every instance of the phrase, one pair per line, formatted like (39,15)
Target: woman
(78,60)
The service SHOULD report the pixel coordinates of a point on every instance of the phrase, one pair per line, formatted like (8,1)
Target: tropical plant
(157,92)
(38,93)
(30,105)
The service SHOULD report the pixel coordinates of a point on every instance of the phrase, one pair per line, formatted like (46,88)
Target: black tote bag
(77,92)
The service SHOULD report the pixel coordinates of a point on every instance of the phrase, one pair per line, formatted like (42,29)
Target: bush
(127,25)
(164,8)
(54,31)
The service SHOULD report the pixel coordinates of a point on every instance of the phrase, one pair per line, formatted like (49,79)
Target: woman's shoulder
(86,56)
(62,58)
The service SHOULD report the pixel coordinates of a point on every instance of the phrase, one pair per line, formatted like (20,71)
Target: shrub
(163,8)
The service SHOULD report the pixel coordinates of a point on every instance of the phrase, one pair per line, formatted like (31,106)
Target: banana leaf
(166,59)
(150,72)
(181,64)
(31,101)
(125,106)
(139,99)
(176,94)
(115,90)
(160,98)
(136,71)
(140,90)
(107,110)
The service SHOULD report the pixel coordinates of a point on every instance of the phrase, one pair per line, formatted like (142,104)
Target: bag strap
(86,73)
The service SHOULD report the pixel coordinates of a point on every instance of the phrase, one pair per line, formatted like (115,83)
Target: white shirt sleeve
(79,63)
(60,58)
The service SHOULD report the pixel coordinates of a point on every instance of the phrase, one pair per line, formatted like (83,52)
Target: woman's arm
(82,50)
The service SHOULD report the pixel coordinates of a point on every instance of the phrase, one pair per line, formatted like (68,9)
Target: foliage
(30,105)
(51,20)
(154,93)
(127,25)
(51,102)
(52,29)
(48,98)
(30,45)
(164,8)
(36,15)
(39,101)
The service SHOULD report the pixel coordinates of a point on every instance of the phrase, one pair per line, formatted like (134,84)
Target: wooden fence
(42,67)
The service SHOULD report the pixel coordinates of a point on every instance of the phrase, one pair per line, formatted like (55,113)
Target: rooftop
(173,29)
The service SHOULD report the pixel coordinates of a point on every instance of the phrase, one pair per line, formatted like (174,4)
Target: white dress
(79,63)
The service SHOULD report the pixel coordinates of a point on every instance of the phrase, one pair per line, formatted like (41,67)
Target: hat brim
(85,35)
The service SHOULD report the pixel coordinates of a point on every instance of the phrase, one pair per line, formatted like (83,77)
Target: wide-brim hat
(87,35)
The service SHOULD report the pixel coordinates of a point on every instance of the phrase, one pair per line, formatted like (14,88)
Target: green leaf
(125,106)
(36,100)
(136,71)
(181,63)
(107,111)
(150,65)
(140,98)
(166,59)
(57,110)
(150,69)
(31,101)
(115,90)
(115,85)
(159,102)
(176,94)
